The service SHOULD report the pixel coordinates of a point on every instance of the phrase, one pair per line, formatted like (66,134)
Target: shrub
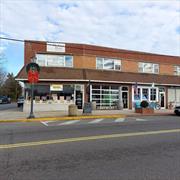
(144,104)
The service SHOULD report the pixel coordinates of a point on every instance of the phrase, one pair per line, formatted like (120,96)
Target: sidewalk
(18,115)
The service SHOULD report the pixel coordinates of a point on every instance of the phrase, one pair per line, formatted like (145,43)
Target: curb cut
(63,118)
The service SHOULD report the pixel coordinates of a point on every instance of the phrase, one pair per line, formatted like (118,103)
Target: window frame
(47,56)
(103,59)
(177,70)
(141,67)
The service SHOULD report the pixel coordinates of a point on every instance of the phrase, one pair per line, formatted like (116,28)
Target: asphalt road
(8,106)
(133,149)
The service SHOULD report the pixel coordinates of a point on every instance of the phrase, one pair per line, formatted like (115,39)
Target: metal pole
(31,115)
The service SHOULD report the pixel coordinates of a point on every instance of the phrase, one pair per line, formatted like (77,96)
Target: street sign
(33,76)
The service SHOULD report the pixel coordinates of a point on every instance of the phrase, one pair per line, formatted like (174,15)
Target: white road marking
(95,121)
(45,123)
(141,119)
(120,120)
(69,122)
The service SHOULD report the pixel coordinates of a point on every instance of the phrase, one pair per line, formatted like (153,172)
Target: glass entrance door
(78,99)
(124,92)
(162,99)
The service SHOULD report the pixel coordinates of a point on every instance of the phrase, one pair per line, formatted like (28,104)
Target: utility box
(72,110)
(94,105)
(87,109)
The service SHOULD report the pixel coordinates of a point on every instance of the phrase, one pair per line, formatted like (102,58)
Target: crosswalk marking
(46,122)
(138,119)
(69,122)
(95,121)
(120,120)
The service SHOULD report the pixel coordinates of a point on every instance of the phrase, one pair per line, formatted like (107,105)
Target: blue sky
(150,26)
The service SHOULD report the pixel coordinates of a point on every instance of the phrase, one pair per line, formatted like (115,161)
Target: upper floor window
(148,68)
(54,60)
(109,64)
(177,70)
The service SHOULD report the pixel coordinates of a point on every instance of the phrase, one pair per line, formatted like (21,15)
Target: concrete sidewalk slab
(18,116)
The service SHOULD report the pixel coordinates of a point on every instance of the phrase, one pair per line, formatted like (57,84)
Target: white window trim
(64,59)
(153,68)
(149,91)
(103,59)
(177,70)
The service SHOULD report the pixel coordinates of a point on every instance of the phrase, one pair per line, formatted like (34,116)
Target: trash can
(72,110)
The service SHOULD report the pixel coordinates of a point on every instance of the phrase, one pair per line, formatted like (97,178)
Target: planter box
(144,110)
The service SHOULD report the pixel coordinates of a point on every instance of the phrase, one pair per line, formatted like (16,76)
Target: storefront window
(137,94)
(145,94)
(153,94)
(105,96)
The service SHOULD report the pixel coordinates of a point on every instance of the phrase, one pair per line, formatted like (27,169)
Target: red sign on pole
(33,76)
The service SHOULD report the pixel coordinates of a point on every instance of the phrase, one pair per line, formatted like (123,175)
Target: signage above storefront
(56,87)
(56,47)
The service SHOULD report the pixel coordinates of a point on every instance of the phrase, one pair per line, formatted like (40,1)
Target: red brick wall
(30,49)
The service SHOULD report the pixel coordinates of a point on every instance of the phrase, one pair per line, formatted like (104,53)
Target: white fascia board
(100,81)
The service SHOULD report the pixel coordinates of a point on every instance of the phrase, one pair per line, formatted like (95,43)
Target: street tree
(11,87)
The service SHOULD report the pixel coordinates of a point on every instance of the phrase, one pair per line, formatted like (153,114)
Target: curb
(64,118)
(156,114)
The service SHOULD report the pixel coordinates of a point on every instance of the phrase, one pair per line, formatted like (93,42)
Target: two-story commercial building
(78,73)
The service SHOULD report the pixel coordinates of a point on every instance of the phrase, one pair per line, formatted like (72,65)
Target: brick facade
(84,56)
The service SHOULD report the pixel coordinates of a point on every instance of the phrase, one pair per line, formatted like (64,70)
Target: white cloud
(138,25)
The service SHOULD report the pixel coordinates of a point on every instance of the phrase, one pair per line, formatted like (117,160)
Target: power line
(59,44)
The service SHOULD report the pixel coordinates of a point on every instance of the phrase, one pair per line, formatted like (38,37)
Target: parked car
(20,101)
(177,110)
(5,100)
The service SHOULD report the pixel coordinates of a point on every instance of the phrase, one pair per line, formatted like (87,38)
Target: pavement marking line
(69,122)
(119,120)
(44,123)
(138,119)
(95,121)
(87,138)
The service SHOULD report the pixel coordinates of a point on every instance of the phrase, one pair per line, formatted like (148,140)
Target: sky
(149,26)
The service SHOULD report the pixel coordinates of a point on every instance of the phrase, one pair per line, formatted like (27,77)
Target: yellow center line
(87,138)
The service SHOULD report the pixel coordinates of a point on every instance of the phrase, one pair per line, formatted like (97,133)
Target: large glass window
(41,59)
(145,93)
(148,68)
(106,97)
(177,70)
(54,60)
(107,63)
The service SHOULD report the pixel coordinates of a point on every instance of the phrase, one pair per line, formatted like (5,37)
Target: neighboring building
(78,73)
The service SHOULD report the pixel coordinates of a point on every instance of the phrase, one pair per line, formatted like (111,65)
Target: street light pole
(31,115)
